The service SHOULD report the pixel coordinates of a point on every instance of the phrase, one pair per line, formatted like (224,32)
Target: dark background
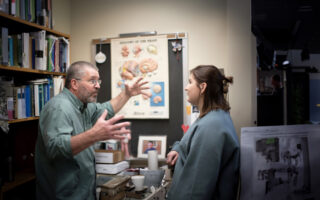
(170,127)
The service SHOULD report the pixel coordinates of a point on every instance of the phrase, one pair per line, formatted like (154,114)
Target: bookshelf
(23,120)
(26,70)
(20,25)
(21,178)
(23,132)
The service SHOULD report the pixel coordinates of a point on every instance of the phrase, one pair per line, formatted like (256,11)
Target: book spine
(4,46)
(15,102)
(10,41)
(10,108)
(36,100)
(27,101)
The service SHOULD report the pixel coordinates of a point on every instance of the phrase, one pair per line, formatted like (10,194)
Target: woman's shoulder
(217,121)
(214,117)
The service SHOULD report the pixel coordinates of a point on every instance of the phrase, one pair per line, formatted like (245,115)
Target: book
(21,103)
(4,51)
(4,6)
(17,14)
(41,97)
(51,52)
(23,9)
(112,168)
(33,54)
(19,50)
(18,109)
(13,7)
(64,54)
(25,50)
(10,43)
(28,100)
(40,45)
(56,56)
(15,102)
(15,50)
(10,108)
(36,100)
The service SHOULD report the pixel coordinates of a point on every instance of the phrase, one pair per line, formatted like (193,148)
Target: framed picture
(147,143)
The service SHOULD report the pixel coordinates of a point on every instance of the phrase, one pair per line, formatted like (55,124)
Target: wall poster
(145,57)
(280,162)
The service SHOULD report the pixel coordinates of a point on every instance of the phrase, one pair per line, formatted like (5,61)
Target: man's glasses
(92,82)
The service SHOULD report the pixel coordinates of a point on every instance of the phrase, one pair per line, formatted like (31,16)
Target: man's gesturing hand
(109,129)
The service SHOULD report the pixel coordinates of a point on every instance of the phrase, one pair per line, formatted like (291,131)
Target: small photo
(149,143)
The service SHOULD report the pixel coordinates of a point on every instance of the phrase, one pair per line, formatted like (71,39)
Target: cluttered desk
(119,179)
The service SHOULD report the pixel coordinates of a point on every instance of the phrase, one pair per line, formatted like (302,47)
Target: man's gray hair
(77,71)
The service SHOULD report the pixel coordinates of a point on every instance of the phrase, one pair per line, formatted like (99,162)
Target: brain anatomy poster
(147,57)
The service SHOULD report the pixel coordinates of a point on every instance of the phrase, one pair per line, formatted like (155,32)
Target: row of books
(35,11)
(23,101)
(34,50)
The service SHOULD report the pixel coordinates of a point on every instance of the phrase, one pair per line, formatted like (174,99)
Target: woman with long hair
(207,157)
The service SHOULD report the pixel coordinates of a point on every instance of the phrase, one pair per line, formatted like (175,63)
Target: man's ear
(74,84)
(203,87)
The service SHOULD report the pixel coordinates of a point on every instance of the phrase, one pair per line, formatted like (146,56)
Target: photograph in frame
(147,143)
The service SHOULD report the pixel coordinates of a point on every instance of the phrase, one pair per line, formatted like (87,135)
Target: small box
(108,156)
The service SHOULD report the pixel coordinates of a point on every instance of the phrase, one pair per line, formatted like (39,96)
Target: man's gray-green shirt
(59,174)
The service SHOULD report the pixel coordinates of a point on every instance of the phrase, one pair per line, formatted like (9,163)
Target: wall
(219,33)
(241,59)
(61,11)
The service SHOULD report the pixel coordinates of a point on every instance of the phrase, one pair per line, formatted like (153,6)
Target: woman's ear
(203,87)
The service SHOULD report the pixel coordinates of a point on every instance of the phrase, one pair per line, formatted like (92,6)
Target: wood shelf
(22,120)
(19,179)
(17,21)
(35,71)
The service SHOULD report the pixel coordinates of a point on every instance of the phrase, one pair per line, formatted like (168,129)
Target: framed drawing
(147,143)
(280,162)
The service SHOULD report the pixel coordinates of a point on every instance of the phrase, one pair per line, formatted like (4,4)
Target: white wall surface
(219,33)
(61,11)
(241,63)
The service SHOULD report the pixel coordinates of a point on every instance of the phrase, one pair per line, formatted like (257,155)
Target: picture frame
(147,143)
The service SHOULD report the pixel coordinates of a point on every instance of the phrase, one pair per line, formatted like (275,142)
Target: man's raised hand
(110,129)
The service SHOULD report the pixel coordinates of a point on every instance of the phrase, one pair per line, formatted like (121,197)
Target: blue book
(10,41)
(28,100)
(38,11)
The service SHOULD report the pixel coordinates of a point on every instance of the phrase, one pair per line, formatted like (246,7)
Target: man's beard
(86,97)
